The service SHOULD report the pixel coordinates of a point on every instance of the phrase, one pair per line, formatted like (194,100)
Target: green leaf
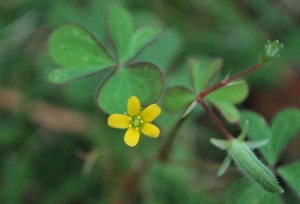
(176,98)
(225,98)
(121,28)
(291,174)
(258,130)
(222,144)
(73,47)
(256,144)
(143,80)
(243,191)
(203,72)
(285,127)
(127,42)
(234,92)
(229,111)
(224,166)
(139,40)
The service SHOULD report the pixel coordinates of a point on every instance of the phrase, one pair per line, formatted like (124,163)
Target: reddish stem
(200,98)
(228,80)
(215,119)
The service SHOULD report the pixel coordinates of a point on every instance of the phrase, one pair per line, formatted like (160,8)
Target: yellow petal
(118,121)
(133,106)
(132,137)
(150,113)
(150,130)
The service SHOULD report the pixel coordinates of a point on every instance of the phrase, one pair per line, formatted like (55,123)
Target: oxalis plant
(130,89)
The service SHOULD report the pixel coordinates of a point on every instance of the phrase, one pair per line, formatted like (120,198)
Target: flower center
(136,122)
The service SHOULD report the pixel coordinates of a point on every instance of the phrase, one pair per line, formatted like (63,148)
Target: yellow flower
(136,121)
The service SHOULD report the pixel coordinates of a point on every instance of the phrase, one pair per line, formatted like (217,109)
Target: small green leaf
(291,174)
(143,80)
(243,191)
(224,166)
(71,46)
(258,130)
(176,98)
(285,127)
(256,144)
(222,144)
(202,72)
(121,28)
(139,40)
(228,110)
(244,132)
(225,98)
(234,92)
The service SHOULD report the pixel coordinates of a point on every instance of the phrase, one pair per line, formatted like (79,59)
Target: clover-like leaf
(177,97)
(285,126)
(244,191)
(80,54)
(202,72)
(143,80)
(291,174)
(128,42)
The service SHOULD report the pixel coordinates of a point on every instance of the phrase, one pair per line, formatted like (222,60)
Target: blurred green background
(55,146)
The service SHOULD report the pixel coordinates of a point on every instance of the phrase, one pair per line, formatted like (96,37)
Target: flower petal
(132,137)
(150,130)
(118,121)
(150,113)
(133,106)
